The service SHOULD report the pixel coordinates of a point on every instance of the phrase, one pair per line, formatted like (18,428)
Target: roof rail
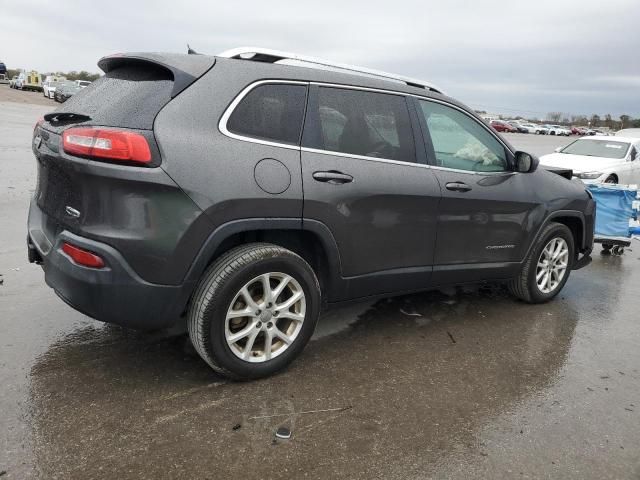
(267,55)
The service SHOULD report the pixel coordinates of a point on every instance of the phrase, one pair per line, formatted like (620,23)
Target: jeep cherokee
(242,193)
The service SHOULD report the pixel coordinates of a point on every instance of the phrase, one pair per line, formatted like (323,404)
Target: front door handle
(458,187)
(332,176)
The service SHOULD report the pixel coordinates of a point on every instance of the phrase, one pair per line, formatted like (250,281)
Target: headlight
(588,175)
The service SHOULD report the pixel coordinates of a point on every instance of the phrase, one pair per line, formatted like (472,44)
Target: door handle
(333,177)
(458,187)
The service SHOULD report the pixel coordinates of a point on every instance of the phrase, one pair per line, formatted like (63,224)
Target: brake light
(39,122)
(82,257)
(108,144)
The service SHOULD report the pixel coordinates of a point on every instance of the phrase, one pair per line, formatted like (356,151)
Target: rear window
(129,97)
(271,112)
(361,123)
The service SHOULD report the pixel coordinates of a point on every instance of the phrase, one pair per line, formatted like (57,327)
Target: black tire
(524,286)
(612,179)
(219,286)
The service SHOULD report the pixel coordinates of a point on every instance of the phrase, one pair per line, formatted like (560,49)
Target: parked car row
(27,81)
(60,89)
(522,126)
(55,87)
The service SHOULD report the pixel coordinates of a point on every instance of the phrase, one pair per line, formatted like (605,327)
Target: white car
(83,83)
(628,132)
(531,128)
(49,85)
(558,130)
(599,159)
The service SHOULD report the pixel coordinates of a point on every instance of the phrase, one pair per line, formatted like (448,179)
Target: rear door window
(362,123)
(272,112)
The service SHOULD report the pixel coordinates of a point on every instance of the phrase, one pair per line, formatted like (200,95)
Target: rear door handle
(333,177)
(458,187)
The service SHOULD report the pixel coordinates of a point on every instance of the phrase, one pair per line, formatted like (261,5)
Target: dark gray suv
(243,193)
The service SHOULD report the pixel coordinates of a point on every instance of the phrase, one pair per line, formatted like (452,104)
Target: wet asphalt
(462,383)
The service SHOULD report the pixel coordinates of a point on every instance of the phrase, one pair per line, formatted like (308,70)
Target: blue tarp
(614,209)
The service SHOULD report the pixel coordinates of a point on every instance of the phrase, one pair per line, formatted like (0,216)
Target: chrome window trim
(473,172)
(355,87)
(222,124)
(364,157)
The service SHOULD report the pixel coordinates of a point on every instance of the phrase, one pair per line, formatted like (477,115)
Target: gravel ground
(18,96)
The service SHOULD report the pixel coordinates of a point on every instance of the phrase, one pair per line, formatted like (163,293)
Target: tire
(524,286)
(612,179)
(220,291)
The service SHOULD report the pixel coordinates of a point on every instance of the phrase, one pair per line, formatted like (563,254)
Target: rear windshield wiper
(66,117)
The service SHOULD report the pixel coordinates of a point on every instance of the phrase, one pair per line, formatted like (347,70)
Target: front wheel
(254,311)
(547,267)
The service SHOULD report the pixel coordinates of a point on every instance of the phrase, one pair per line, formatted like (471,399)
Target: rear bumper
(113,294)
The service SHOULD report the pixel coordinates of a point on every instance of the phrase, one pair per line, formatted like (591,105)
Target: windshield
(597,148)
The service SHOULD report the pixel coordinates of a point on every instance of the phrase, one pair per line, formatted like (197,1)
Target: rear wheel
(254,311)
(547,267)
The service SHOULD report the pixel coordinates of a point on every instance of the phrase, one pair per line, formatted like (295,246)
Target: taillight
(82,257)
(39,122)
(109,144)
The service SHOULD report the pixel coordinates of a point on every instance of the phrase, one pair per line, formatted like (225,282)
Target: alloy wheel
(552,265)
(265,317)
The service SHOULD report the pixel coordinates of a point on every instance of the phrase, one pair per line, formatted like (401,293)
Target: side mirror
(525,162)
(558,149)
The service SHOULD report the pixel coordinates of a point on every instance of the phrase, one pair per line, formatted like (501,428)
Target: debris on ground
(453,340)
(411,314)
(283,432)
(237,426)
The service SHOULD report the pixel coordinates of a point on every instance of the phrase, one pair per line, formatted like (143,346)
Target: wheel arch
(573,220)
(310,239)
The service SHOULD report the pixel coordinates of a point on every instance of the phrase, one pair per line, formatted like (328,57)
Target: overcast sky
(529,57)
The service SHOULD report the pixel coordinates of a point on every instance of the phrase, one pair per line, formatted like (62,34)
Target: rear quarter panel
(217,171)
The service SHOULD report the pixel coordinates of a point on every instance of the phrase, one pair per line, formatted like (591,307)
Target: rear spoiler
(563,172)
(185,69)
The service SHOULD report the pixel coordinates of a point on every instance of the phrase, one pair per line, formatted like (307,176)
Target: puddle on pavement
(379,379)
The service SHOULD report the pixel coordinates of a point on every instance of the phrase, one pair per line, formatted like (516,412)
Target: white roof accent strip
(273,56)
